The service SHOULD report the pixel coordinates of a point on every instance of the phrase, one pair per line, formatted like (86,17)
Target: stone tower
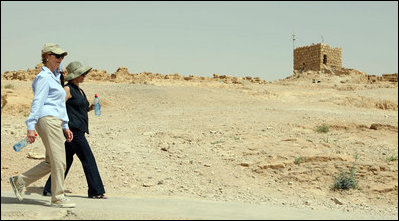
(319,57)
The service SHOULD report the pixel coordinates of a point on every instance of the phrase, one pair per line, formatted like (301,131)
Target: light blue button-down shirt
(48,100)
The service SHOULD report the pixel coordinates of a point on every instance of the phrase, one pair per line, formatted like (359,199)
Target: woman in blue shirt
(48,116)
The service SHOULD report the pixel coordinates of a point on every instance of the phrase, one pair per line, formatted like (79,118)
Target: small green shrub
(346,181)
(9,86)
(392,158)
(217,142)
(299,160)
(322,129)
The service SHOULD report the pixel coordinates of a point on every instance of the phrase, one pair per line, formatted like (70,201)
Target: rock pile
(22,75)
(122,75)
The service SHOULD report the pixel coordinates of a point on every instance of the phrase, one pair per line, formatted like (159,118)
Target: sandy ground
(36,206)
(248,146)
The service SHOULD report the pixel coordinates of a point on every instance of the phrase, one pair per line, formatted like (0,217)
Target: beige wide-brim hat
(54,48)
(75,69)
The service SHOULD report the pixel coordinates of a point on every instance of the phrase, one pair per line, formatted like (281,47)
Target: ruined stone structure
(324,59)
(318,57)
(390,77)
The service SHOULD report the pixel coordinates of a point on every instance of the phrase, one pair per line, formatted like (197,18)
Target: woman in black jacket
(77,107)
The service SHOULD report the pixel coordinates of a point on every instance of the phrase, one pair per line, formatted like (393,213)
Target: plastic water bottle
(21,144)
(97,106)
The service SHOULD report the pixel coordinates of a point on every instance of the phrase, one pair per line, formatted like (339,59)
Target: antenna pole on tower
(293,52)
(293,40)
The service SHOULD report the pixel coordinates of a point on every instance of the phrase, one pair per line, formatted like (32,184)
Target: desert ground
(242,142)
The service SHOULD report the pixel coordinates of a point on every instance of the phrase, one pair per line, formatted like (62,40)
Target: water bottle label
(18,146)
(97,109)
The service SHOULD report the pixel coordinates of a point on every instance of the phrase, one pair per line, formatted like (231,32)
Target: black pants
(81,148)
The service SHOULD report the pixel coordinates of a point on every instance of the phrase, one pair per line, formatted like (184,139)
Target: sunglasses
(58,56)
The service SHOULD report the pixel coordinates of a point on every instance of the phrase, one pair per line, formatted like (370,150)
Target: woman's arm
(40,89)
(68,93)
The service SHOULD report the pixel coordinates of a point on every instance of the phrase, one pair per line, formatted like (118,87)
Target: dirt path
(35,206)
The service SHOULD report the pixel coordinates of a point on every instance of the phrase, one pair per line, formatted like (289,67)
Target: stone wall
(373,78)
(384,77)
(390,77)
(317,57)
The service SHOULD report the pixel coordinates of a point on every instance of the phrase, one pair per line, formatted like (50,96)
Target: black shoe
(101,196)
(45,193)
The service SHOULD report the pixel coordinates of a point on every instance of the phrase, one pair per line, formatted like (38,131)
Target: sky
(202,38)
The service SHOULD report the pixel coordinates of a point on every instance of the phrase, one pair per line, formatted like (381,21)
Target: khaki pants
(49,129)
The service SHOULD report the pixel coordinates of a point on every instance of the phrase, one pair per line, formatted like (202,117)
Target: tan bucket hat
(54,48)
(75,69)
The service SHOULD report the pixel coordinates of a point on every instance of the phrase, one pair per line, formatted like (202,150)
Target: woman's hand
(68,134)
(31,137)
(91,107)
